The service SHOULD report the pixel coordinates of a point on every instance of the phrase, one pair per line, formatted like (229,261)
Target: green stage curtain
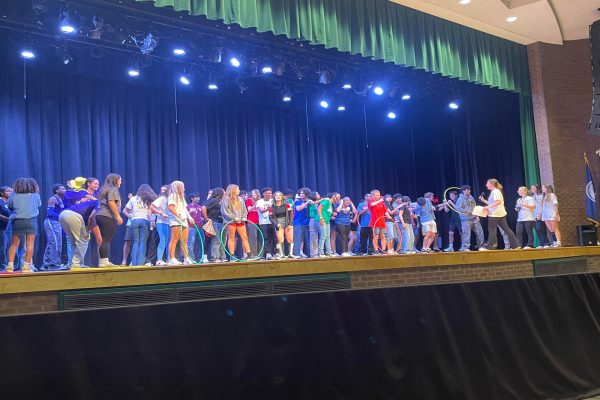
(382,30)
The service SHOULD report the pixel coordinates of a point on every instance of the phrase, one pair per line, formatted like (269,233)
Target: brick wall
(28,303)
(561,82)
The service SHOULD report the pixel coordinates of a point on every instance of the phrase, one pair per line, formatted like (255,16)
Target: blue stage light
(347,86)
(184,79)
(391,115)
(378,90)
(213,86)
(453,105)
(406,97)
(179,51)
(235,62)
(286,98)
(341,108)
(324,104)
(66,26)
(267,69)
(27,54)
(134,72)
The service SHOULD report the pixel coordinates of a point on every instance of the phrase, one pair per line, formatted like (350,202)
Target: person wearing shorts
(424,211)
(378,214)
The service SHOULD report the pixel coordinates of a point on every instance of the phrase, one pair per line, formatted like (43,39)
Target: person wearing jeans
(211,210)
(408,233)
(138,212)
(5,192)
(325,210)
(265,211)
(301,222)
(52,254)
(313,225)
(159,207)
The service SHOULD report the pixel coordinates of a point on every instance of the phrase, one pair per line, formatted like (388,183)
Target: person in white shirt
(496,214)
(138,210)
(265,209)
(179,217)
(159,207)
(540,226)
(550,214)
(525,219)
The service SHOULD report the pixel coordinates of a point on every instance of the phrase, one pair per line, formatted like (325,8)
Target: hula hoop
(185,248)
(447,203)
(399,246)
(233,257)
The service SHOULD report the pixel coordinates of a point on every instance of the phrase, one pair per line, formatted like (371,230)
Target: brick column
(561,83)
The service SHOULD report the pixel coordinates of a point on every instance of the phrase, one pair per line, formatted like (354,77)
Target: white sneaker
(269,256)
(346,254)
(303,255)
(556,244)
(148,265)
(449,249)
(174,261)
(390,252)
(295,257)
(333,255)
(204,259)
(160,263)
(483,249)
(188,261)
(526,248)
(546,247)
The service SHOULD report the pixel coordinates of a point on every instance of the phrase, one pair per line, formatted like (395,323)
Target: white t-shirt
(263,217)
(161,204)
(499,210)
(180,207)
(139,209)
(525,214)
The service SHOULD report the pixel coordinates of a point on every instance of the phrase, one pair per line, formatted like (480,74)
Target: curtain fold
(382,30)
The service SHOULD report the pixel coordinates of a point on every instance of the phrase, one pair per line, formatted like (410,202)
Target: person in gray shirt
(469,222)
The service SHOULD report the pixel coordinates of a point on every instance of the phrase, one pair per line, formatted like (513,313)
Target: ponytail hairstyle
(495,183)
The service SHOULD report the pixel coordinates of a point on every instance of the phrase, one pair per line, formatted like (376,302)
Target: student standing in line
(25,203)
(365,233)
(469,222)
(525,220)
(138,212)
(455,224)
(345,211)
(377,224)
(211,210)
(279,214)
(52,254)
(325,211)
(179,219)
(5,192)
(195,210)
(550,215)
(252,223)
(408,233)
(265,213)
(159,208)
(301,222)
(235,214)
(540,226)
(109,215)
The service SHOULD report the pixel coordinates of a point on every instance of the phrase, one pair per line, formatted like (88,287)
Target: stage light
(453,105)
(213,86)
(148,45)
(185,79)
(179,51)
(66,26)
(464,2)
(324,104)
(235,62)
(391,115)
(378,90)
(286,95)
(27,54)
(341,108)
(267,69)
(511,19)
(347,86)
(324,77)
(406,97)
(134,72)
(63,55)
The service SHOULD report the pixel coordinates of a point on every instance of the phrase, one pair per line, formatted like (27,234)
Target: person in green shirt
(313,224)
(325,210)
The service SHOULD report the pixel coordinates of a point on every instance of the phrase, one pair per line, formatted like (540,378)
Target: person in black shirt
(5,192)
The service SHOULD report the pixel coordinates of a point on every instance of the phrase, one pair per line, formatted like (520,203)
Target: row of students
(300,225)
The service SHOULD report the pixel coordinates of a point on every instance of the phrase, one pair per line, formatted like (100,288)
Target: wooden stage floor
(135,276)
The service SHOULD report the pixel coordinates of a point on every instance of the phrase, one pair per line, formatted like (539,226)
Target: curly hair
(25,185)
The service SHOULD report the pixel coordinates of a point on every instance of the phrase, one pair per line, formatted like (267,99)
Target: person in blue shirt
(365,233)
(425,212)
(345,209)
(25,203)
(52,254)
(5,192)
(301,222)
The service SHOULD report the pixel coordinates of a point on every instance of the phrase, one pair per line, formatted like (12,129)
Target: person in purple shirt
(77,221)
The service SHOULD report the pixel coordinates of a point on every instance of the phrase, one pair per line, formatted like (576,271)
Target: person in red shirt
(252,229)
(378,211)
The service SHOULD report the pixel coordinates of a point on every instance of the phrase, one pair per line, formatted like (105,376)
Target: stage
(51,291)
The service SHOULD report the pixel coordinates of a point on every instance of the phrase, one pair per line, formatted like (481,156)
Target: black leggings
(366,238)
(542,233)
(493,223)
(344,232)
(108,227)
(528,226)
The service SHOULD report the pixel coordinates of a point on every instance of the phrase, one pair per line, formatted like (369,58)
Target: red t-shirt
(252,215)
(377,214)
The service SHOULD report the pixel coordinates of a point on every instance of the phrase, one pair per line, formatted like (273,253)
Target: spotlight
(286,95)
(27,54)
(464,2)
(324,104)
(185,79)
(134,69)
(63,55)
(267,69)
(235,62)
(178,51)
(511,19)
(324,77)
(66,26)
(212,85)
(453,105)
(148,45)
(280,69)
(391,115)
(378,90)
(347,86)
(341,108)
(406,97)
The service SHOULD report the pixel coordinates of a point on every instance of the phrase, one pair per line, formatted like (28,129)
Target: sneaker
(322,256)
(295,257)
(449,249)
(303,255)
(160,263)
(188,261)
(333,255)
(526,248)
(464,249)
(269,256)
(174,261)
(556,244)
(482,248)
(364,254)
(277,257)
(546,247)
(346,254)
(204,259)
(391,252)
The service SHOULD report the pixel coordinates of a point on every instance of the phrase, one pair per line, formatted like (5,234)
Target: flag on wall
(590,194)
